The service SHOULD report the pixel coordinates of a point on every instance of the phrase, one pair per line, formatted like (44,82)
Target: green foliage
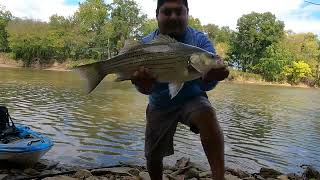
(276,57)
(236,75)
(211,30)
(91,15)
(222,49)
(225,35)
(5,17)
(297,71)
(30,42)
(148,26)
(256,31)
(195,23)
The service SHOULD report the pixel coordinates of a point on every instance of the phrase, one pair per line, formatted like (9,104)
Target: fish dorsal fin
(163,39)
(128,45)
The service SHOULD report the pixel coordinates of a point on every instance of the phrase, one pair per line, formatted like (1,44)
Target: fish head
(203,62)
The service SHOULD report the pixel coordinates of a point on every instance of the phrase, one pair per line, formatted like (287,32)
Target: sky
(297,15)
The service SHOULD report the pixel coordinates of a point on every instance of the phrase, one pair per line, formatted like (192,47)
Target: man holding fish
(191,106)
(175,65)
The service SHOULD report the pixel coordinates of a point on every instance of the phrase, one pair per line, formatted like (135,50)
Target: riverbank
(8,63)
(182,170)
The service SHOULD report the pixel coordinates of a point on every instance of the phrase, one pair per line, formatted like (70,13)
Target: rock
(134,172)
(144,176)
(283,177)
(180,177)
(118,170)
(199,167)
(60,178)
(249,178)
(231,177)
(44,164)
(53,171)
(93,178)
(269,173)
(4,171)
(165,177)
(82,173)
(31,172)
(16,171)
(192,173)
(167,171)
(258,177)
(128,178)
(205,174)
(237,172)
(294,176)
(3,176)
(183,162)
(310,172)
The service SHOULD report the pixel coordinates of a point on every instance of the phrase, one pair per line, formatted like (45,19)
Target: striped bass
(170,61)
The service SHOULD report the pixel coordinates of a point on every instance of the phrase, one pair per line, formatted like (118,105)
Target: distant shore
(65,67)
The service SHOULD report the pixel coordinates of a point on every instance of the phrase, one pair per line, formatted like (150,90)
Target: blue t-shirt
(160,97)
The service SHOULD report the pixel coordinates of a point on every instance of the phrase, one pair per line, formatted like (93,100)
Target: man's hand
(144,80)
(216,74)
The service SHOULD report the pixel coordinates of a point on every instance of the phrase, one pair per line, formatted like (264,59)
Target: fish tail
(93,75)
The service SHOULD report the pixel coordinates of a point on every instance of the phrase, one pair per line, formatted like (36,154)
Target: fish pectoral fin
(197,64)
(174,88)
(163,39)
(128,45)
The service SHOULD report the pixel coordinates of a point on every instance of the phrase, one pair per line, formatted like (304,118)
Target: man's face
(173,18)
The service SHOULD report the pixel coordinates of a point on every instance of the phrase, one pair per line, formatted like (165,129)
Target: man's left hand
(216,74)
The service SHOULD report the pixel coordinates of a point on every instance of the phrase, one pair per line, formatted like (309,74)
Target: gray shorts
(162,124)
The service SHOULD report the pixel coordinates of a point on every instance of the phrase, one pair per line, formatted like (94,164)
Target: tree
(211,30)
(195,23)
(305,46)
(256,31)
(5,17)
(91,15)
(148,26)
(297,71)
(275,58)
(224,35)
(126,20)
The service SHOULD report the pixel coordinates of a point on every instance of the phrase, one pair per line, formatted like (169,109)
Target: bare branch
(312,3)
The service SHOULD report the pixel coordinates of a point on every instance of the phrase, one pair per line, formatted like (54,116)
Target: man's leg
(160,128)
(155,168)
(212,140)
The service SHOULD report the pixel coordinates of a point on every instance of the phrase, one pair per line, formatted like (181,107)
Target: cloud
(38,9)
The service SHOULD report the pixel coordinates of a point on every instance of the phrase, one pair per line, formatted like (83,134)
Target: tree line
(97,31)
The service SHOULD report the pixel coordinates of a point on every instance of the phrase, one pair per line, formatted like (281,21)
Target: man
(191,106)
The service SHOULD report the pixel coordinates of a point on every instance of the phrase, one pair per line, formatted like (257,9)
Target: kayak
(26,147)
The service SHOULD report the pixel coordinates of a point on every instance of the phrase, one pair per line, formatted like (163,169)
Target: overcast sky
(297,15)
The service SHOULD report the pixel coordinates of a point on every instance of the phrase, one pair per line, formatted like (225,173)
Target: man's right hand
(144,80)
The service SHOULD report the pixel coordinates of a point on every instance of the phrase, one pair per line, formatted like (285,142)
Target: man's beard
(174,28)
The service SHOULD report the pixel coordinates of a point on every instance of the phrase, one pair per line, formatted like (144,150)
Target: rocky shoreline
(183,170)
